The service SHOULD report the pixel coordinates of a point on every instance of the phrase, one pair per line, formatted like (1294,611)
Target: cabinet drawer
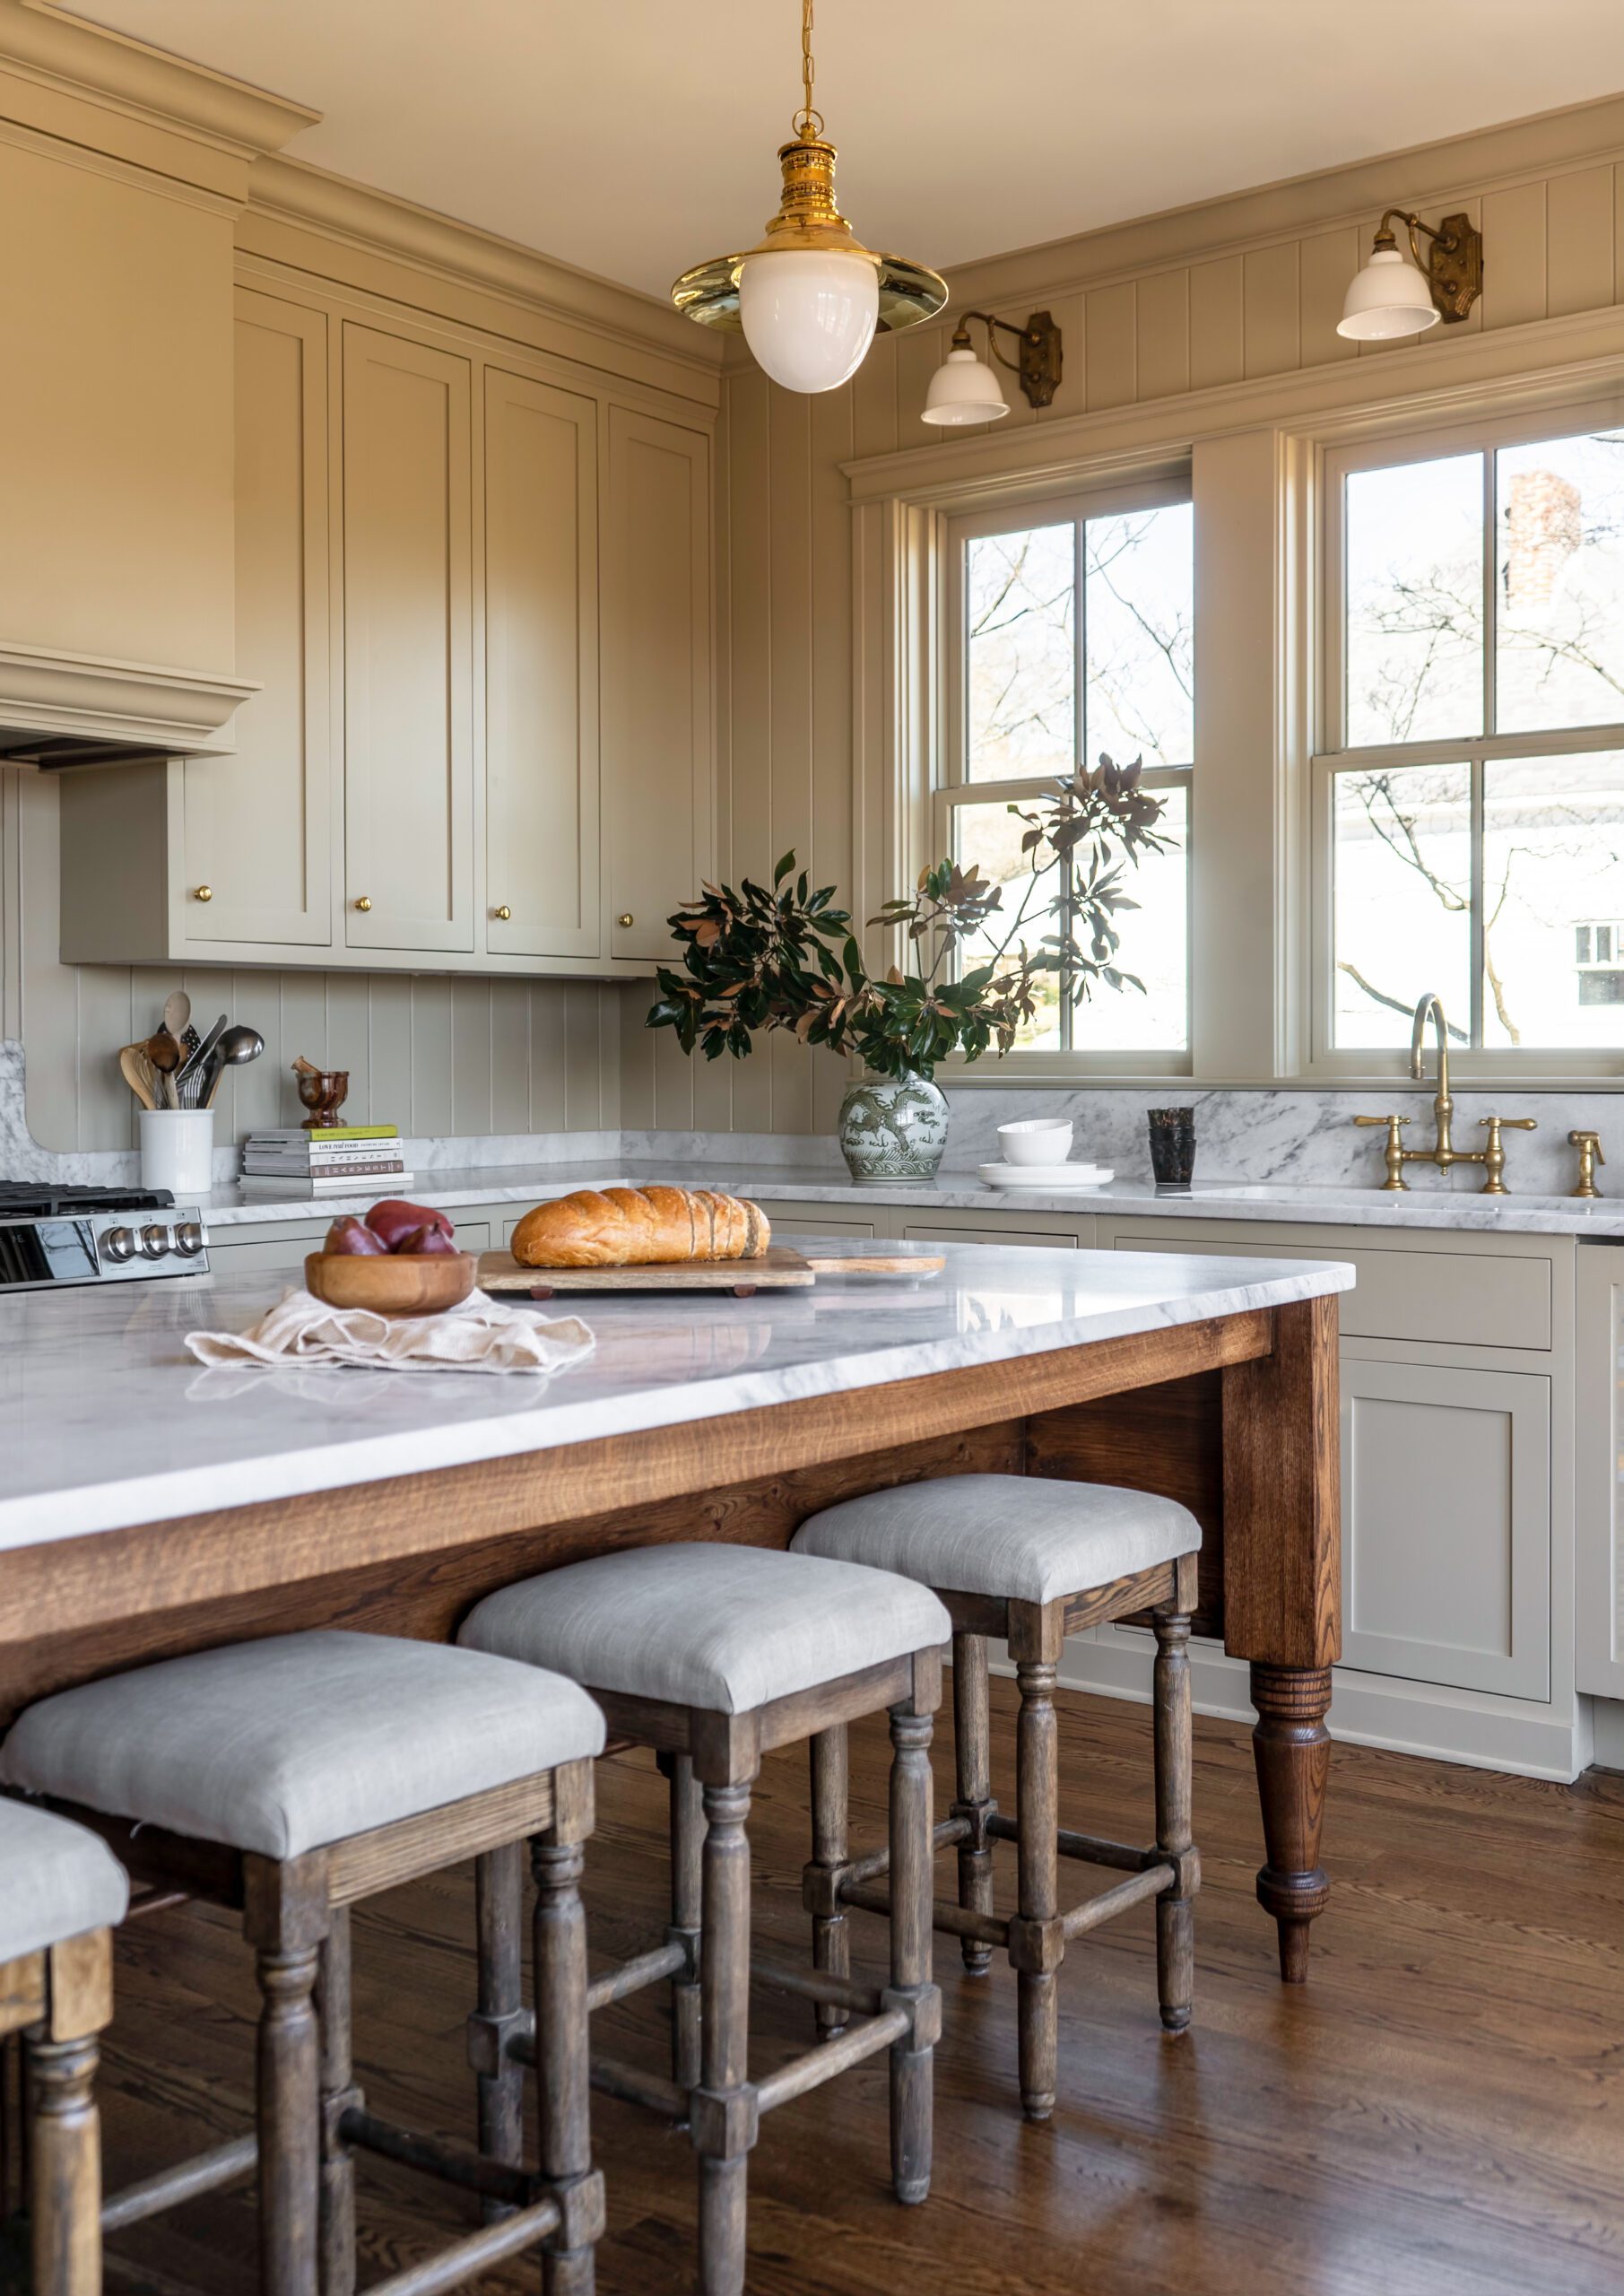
(283,1249)
(1461,1298)
(938,1231)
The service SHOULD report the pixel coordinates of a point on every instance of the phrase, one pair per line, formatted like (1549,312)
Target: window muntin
(1075,636)
(1475,815)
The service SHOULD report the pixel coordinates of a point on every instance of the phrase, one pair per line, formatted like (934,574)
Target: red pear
(394,1218)
(352,1236)
(426,1243)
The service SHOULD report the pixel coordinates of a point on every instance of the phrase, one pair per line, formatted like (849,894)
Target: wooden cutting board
(779,1269)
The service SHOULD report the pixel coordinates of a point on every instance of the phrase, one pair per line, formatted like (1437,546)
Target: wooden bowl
(392,1283)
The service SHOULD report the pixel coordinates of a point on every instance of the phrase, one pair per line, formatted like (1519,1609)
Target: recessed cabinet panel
(656,677)
(1447,1525)
(257,836)
(540,670)
(408,646)
(1599,1494)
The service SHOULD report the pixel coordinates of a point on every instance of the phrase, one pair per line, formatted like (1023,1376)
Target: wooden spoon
(165,1055)
(177,1013)
(139,1074)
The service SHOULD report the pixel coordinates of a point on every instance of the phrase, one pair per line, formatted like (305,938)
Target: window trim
(952,786)
(1323,1061)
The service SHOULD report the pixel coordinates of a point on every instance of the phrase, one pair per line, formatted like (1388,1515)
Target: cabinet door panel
(408,660)
(937,1232)
(540,670)
(1599,1494)
(1447,1525)
(656,677)
(257,827)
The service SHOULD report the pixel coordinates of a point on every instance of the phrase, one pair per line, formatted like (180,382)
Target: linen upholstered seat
(58,1881)
(727,1629)
(285,1746)
(1026,1538)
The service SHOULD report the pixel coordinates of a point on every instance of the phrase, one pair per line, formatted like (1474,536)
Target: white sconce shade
(1389,297)
(964,389)
(810,315)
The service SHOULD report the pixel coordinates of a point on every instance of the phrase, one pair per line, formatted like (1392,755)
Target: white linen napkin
(482,1335)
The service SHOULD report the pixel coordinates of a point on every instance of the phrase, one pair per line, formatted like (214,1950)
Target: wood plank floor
(1439,2113)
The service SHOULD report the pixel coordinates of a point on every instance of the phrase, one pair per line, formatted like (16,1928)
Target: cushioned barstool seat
(713,1654)
(280,1746)
(62,1894)
(1026,1538)
(703,1624)
(57,1880)
(1033,1559)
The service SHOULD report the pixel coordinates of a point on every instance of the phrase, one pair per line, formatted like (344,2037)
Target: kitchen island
(149,1507)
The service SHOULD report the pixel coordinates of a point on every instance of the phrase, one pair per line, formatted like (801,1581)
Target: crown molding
(57,696)
(614,318)
(124,75)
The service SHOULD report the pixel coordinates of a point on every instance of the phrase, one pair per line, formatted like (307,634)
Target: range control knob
(156,1241)
(118,1243)
(190,1238)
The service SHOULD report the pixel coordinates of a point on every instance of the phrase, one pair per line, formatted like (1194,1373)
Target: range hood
(64,709)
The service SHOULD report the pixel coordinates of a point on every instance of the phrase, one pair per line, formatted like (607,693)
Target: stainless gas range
(95,1235)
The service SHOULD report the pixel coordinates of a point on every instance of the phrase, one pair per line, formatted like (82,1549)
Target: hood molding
(135,708)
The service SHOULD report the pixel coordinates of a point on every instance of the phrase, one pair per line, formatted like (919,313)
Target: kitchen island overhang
(148,1508)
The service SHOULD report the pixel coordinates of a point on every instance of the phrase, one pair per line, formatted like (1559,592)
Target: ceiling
(634,137)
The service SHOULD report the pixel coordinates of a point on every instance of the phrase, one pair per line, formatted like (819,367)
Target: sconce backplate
(1040,368)
(1455,266)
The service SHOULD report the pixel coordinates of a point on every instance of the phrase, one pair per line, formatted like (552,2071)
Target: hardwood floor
(1439,2113)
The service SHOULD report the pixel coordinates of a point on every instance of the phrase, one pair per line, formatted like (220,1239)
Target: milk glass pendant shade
(1389,297)
(810,297)
(809,317)
(964,389)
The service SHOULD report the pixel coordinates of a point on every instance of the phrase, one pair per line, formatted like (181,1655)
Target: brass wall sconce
(965,388)
(1390,297)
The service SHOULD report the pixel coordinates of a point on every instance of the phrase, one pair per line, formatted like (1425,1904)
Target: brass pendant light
(810,297)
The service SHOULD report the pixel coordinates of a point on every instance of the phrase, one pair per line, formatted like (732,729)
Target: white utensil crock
(178,1149)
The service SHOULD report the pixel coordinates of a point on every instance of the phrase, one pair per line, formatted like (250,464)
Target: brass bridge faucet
(1443,1152)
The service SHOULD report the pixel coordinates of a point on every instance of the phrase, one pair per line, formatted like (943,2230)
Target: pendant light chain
(802,122)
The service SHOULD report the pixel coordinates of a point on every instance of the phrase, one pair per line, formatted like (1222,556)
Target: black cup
(1173,1147)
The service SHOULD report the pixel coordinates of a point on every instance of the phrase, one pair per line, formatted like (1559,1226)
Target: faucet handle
(1511,1123)
(1494,1154)
(1388,1120)
(1394,1182)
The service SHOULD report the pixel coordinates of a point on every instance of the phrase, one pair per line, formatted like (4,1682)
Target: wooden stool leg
(973,1768)
(337,2093)
(498,1896)
(563,2052)
(687,1850)
(286,1920)
(830,1796)
(64,2167)
(724,2116)
(1174,1760)
(911,1926)
(1039,1946)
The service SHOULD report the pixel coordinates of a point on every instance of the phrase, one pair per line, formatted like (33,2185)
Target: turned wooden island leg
(973,1766)
(1282,1596)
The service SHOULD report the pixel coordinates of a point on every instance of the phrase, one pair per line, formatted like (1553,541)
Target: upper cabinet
(408,646)
(657,738)
(542,822)
(475,590)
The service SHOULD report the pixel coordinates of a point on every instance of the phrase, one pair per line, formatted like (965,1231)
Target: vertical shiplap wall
(432,1053)
(1554,246)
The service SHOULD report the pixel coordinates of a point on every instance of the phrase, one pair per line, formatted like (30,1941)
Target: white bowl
(1037,1140)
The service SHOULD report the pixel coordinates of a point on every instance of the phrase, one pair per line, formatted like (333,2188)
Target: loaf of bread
(640,1226)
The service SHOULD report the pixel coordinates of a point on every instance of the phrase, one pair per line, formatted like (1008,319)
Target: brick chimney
(1543,530)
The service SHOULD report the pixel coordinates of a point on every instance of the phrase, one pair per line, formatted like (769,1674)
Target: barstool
(62,1894)
(288,1780)
(713,1655)
(1033,1559)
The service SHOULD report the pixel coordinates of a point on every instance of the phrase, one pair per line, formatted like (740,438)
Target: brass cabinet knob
(504,912)
(626,917)
(203,893)
(364,903)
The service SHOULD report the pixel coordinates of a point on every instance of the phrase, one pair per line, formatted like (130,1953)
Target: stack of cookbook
(335,1156)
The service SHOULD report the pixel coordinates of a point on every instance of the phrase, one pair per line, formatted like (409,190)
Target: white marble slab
(1428,1203)
(105,1422)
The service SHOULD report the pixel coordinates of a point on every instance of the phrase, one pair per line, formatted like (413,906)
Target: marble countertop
(1428,1203)
(105,1422)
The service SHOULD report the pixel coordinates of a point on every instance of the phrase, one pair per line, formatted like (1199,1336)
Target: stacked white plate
(1037,1152)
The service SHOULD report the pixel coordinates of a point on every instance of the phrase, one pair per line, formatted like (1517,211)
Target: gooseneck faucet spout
(1443,1152)
(1431,1007)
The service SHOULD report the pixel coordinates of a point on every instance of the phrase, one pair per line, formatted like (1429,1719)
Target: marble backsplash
(1246,1133)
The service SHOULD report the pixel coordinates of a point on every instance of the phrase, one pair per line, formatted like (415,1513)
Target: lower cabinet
(1447,1525)
(1599,1556)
